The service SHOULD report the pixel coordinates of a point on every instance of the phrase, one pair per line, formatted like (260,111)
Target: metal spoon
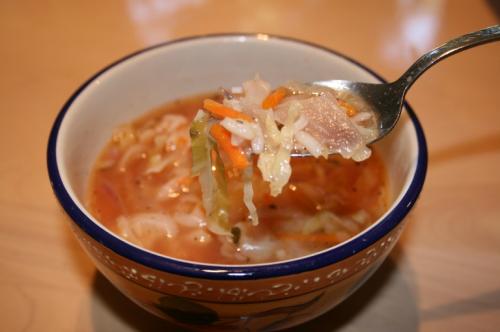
(386,100)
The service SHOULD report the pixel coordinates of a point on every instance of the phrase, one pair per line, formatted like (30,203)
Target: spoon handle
(453,46)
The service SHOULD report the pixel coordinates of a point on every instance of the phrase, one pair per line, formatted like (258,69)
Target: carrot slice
(220,111)
(223,138)
(350,110)
(274,98)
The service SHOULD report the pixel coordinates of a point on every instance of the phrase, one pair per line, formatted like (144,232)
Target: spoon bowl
(386,100)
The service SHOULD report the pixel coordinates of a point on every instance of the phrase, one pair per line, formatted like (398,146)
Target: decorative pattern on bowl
(211,303)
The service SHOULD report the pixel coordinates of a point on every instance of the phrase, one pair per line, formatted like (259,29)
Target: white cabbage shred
(146,228)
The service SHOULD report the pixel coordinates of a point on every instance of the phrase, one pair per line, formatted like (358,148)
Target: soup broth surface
(142,190)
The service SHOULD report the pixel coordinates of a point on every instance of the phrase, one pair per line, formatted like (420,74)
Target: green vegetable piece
(220,211)
(211,175)
(200,144)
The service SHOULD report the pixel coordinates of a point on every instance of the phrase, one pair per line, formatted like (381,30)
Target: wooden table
(444,274)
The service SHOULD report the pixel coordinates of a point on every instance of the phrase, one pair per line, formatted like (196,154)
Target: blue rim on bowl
(235,272)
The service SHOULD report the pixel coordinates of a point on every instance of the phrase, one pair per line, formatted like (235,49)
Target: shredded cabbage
(211,175)
(274,162)
(219,216)
(200,144)
(248,195)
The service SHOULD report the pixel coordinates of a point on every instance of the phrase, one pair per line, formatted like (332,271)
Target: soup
(142,190)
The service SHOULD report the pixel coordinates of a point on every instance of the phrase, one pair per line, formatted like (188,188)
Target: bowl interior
(153,77)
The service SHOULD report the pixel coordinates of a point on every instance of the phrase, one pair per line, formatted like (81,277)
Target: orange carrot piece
(350,110)
(220,111)
(274,98)
(223,138)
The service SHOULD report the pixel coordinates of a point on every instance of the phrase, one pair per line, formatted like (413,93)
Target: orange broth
(336,186)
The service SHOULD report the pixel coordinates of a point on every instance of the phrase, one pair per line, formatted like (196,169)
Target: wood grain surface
(445,272)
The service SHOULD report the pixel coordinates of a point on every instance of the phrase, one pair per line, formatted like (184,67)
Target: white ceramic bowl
(219,297)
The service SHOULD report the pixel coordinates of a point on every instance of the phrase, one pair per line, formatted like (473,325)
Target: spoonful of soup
(385,101)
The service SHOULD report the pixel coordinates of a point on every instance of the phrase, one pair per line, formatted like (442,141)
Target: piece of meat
(327,122)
